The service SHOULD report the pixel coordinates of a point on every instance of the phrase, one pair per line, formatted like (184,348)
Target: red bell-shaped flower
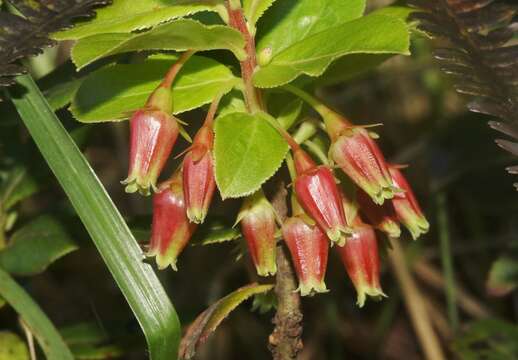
(406,206)
(257,218)
(171,230)
(153,132)
(198,175)
(382,217)
(318,194)
(309,248)
(360,158)
(361,260)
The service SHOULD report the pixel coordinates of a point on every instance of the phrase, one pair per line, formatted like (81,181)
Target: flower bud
(318,194)
(257,218)
(406,206)
(198,175)
(171,229)
(382,217)
(308,247)
(361,260)
(153,133)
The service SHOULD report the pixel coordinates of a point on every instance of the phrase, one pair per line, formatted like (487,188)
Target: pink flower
(382,217)
(153,132)
(406,206)
(308,246)
(198,175)
(257,218)
(171,229)
(361,260)
(318,194)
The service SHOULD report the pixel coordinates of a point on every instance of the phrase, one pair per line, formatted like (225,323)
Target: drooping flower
(198,170)
(171,230)
(257,218)
(198,178)
(383,217)
(318,194)
(153,133)
(406,206)
(361,260)
(308,247)
(356,153)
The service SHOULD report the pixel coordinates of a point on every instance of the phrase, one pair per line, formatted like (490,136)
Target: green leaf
(214,231)
(17,186)
(372,34)
(111,235)
(208,321)
(125,16)
(350,66)
(62,94)
(254,9)
(503,276)
(12,347)
(248,151)
(43,330)
(114,92)
(179,35)
(291,21)
(35,246)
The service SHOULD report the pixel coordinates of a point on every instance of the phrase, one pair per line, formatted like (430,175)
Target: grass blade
(104,223)
(47,335)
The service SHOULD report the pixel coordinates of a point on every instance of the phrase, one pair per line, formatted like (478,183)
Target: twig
(415,304)
(285,342)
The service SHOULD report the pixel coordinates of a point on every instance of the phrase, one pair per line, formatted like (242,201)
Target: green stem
(447,260)
(102,220)
(47,335)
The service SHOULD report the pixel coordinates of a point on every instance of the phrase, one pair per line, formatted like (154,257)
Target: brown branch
(285,342)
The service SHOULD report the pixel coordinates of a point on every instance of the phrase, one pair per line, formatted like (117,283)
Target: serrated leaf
(372,34)
(254,9)
(350,66)
(248,151)
(25,36)
(291,21)
(125,16)
(12,347)
(35,246)
(62,94)
(209,320)
(17,186)
(503,276)
(179,35)
(112,93)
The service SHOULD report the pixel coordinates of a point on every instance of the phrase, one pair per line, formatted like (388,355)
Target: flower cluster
(323,213)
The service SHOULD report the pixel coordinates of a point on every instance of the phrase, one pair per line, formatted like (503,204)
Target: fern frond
(27,35)
(481,56)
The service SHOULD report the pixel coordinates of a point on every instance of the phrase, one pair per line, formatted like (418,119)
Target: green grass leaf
(124,16)
(207,322)
(372,34)
(291,21)
(35,246)
(248,151)
(114,92)
(104,223)
(179,35)
(43,330)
